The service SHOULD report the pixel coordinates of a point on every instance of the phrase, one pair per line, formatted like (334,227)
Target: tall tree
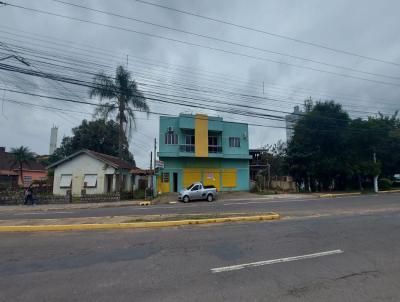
(97,135)
(22,156)
(317,153)
(123,99)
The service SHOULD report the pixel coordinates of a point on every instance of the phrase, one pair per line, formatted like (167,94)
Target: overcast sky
(368,28)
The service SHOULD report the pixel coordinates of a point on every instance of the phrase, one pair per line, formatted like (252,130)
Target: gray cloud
(369,28)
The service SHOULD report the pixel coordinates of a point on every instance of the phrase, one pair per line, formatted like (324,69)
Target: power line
(242,95)
(203,73)
(271,34)
(205,46)
(227,41)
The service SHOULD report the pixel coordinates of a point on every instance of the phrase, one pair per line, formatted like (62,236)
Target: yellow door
(190,176)
(229,178)
(211,177)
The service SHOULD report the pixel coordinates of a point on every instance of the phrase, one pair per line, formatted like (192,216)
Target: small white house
(90,172)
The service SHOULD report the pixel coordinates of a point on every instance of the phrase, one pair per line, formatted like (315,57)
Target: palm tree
(22,155)
(124,99)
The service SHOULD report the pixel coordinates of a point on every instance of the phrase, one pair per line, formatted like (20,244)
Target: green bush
(385,184)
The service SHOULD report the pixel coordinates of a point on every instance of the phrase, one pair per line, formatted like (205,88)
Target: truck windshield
(191,186)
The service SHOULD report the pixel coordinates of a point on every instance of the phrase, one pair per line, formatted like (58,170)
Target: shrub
(385,184)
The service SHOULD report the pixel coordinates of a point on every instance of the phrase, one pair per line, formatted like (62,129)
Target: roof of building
(7,163)
(139,171)
(110,160)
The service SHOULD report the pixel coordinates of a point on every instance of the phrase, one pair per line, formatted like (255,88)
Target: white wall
(78,167)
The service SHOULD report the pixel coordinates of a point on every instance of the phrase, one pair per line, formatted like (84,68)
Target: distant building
(291,120)
(202,148)
(9,172)
(258,162)
(53,140)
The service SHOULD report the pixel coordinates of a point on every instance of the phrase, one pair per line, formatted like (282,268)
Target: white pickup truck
(197,191)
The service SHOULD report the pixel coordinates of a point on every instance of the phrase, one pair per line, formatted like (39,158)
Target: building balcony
(214,149)
(186,148)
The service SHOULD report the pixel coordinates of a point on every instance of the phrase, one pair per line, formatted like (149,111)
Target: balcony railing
(214,149)
(190,148)
(186,148)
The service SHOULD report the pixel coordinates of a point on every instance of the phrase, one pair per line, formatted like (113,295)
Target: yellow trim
(201,135)
(339,195)
(133,225)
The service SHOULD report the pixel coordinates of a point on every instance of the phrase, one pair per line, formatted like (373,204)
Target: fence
(18,198)
(109,197)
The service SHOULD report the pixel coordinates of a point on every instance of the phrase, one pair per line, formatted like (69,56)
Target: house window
(171,138)
(27,181)
(165,177)
(66,180)
(90,181)
(234,142)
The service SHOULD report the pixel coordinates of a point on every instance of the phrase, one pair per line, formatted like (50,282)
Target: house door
(175,181)
(109,183)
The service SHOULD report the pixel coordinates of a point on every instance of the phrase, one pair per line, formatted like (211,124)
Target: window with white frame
(171,138)
(66,181)
(234,142)
(90,181)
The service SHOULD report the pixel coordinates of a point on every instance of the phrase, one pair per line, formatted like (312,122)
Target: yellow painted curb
(132,225)
(390,191)
(339,195)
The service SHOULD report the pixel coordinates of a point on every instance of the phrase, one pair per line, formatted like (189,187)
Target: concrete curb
(390,191)
(133,225)
(339,195)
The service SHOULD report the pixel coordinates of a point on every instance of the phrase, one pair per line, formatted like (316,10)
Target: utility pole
(375,177)
(263,87)
(151,160)
(154,170)
(155,150)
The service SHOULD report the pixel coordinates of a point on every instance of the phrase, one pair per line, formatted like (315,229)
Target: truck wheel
(210,197)
(186,199)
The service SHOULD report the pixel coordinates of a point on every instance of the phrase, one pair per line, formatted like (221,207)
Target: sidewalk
(67,206)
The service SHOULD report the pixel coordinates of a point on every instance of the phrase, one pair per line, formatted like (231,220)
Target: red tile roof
(7,163)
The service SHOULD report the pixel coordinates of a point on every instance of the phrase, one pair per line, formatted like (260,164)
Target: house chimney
(2,149)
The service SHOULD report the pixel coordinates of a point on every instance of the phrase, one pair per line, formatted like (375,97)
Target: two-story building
(203,148)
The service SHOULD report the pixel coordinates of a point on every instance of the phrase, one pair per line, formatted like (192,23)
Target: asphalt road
(282,206)
(175,264)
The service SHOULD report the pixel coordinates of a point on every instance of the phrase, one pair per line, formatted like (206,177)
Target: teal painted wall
(177,165)
(216,125)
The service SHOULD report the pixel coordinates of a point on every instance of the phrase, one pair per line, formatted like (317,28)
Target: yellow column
(201,135)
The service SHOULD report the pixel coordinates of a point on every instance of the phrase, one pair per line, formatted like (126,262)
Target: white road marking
(273,261)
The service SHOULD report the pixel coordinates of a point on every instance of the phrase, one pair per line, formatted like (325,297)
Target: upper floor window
(213,141)
(171,138)
(189,139)
(234,142)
